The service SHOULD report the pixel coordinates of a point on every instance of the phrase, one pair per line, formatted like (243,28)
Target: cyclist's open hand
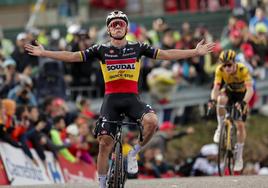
(35,50)
(203,49)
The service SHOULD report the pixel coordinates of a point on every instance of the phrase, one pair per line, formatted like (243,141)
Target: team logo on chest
(120,67)
(121,64)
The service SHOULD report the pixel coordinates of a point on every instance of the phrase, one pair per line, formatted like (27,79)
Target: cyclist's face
(117,28)
(229,67)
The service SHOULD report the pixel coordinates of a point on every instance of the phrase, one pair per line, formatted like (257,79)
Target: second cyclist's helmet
(117,14)
(227,56)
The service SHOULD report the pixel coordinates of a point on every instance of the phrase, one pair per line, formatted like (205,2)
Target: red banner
(3,175)
(77,172)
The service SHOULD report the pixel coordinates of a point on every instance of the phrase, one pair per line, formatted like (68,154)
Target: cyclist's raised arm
(65,56)
(174,54)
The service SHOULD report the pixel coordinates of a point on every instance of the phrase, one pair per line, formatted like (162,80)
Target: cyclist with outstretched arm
(120,65)
(232,85)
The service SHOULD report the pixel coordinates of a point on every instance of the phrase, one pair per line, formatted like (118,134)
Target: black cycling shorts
(234,97)
(114,105)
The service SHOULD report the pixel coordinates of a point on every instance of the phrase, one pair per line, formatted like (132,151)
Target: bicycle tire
(231,156)
(222,151)
(118,170)
(110,178)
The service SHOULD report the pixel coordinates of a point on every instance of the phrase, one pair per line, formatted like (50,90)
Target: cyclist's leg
(150,124)
(145,114)
(241,135)
(106,134)
(222,100)
(105,147)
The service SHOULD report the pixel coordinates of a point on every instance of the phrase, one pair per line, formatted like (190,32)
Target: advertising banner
(22,171)
(3,175)
(53,168)
(77,172)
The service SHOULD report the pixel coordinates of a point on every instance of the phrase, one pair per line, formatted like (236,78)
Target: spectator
(19,132)
(258,18)
(7,122)
(79,146)
(162,83)
(21,57)
(259,42)
(59,125)
(155,35)
(165,134)
(6,46)
(22,93)
(11,77)
(162,168)
(205,163)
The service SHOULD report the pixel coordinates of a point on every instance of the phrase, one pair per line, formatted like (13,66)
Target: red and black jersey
(120,66)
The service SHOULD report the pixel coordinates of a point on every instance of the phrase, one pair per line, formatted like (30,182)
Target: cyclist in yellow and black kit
(232,85)
(120,64)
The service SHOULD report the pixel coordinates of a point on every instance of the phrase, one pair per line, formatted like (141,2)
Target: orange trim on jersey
(121,86)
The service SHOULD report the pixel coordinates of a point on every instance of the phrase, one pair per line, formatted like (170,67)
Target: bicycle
(226,145)
(226,150)
(117,174)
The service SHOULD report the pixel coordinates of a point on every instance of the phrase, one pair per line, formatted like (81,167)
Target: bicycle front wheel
(222,152)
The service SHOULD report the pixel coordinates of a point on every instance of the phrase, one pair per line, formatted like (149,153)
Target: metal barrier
(86,91)
(190,96)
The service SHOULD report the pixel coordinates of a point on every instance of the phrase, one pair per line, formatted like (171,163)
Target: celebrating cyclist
(232,85)
(120,65)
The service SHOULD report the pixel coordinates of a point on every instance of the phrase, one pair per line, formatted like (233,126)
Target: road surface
(193,182)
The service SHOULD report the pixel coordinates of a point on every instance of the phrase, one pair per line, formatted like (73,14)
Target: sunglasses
(227,65)
(115,23)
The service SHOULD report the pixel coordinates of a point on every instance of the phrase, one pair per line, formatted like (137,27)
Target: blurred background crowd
(40,110)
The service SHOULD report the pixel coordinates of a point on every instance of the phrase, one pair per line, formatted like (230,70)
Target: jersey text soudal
(120,66)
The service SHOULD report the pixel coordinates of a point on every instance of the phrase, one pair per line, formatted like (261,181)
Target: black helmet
(117,14)
(227,56)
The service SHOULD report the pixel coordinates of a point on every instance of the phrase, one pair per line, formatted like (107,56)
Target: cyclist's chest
(120,64)
(234,78)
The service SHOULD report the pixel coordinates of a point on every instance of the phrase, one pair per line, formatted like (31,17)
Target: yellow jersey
(235,82)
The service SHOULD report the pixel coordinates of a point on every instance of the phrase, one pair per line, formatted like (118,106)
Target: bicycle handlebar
(127,123)
(122,123)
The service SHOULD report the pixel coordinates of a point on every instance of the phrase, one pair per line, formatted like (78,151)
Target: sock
(220,121)
(136,149)
(102,181)
(240,147)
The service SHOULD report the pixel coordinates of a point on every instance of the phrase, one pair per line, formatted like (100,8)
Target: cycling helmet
(117,14)
(227,56)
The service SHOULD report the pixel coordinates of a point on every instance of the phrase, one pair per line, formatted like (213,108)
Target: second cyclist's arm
(63,55)
(175,54)
(249,92)
(215,92)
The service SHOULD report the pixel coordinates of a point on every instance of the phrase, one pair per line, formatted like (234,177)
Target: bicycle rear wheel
(118,170)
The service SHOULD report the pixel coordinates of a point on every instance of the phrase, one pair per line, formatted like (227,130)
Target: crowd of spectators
(34,105)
